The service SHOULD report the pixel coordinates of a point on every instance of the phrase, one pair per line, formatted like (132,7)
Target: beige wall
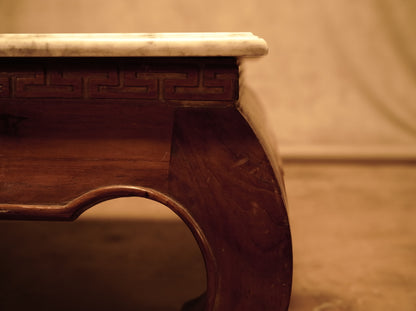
(340,77)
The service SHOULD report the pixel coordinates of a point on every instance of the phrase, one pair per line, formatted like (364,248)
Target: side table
(86,118)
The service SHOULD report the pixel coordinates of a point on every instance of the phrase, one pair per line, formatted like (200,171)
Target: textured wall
(340,76)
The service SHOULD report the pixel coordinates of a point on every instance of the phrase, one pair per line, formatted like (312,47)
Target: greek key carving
(155,80)
(47,84)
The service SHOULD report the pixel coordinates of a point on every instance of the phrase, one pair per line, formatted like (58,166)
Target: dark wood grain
(221,174)
(60,151)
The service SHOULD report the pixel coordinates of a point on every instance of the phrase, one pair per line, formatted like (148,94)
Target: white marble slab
(238,44)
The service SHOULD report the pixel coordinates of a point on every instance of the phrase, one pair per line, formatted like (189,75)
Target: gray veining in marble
(236,44)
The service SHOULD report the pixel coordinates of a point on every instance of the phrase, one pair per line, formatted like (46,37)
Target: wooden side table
(89,117)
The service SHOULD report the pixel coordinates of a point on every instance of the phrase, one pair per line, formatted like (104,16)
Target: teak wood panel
(60,151)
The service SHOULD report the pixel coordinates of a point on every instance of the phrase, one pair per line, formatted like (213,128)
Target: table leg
(221,175)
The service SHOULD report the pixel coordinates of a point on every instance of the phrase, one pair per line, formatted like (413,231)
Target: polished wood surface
(221,174)
(165,129)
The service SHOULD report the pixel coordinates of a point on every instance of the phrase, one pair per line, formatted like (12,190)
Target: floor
(354,236)
(354,239)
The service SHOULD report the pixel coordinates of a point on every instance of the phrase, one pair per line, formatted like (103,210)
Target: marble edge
(235,44)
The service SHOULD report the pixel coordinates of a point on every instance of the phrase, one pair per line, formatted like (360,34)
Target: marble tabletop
(235,44)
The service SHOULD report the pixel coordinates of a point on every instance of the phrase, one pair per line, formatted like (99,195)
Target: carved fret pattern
(143,79)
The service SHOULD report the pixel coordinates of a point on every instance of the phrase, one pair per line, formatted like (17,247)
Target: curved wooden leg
(221,175)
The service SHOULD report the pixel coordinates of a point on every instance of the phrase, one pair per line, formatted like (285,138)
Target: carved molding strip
(161,80)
